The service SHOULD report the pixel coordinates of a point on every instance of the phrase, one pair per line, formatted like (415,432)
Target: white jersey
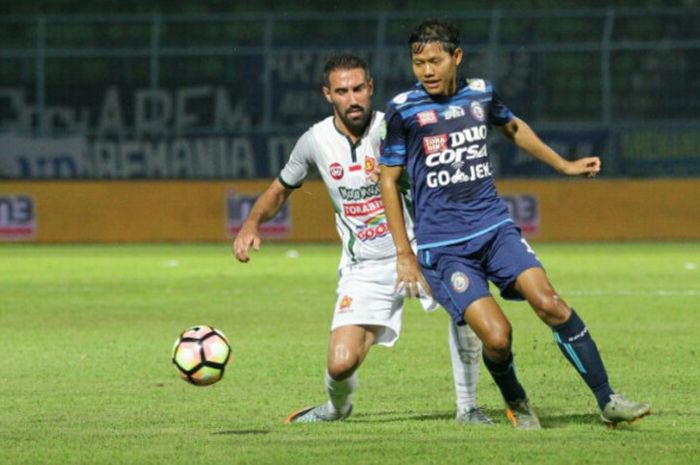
(346,169)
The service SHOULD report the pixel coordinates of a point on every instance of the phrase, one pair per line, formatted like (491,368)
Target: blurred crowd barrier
(196,211)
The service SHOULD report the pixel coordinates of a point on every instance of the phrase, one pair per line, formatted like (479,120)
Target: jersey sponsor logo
(364,208)
(454,156)
(376,228)
(359,193)
(345,304)
(459,282)
(452,112)
(477,111)
(336,171)
(433,144)
(427,117)
(354,168)
(462,147)
(457,151)
(473,173)
(470,134)
(17,217)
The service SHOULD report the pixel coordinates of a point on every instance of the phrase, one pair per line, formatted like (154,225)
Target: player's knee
(550,308)
(340,368)
(498,342)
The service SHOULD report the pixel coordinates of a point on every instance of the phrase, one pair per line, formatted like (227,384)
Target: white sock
(340,393)
(465,352)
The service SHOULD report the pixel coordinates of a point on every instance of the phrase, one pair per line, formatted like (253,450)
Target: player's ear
(327,94)
(370,86)
(458,55)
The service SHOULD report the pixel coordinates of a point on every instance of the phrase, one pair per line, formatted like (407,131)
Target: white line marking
(622,292)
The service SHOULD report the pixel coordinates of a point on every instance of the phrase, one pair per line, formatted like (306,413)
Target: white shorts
(367,296)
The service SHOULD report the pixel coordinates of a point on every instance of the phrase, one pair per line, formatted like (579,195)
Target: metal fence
(622,82)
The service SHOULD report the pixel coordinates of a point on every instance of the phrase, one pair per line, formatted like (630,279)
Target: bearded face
(350,93)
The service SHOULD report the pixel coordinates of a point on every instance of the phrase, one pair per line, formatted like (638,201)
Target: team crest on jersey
(477,111)
(434,144)
(370,165)
(452,112)
(345,304)
(336,171)
(459,281)
(427,117)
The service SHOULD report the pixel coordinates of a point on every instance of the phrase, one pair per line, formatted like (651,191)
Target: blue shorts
(458,274)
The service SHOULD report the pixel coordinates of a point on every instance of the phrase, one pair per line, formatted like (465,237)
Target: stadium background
(140,121)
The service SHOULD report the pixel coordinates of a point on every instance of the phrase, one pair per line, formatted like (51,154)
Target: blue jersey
(441,142)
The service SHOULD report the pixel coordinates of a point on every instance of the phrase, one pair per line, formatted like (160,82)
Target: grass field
(86,333)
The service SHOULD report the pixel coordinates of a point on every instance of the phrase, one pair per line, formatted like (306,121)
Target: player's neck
(353,134)
(452,89)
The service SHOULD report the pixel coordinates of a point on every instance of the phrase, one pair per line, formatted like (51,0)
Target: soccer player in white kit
(344,149)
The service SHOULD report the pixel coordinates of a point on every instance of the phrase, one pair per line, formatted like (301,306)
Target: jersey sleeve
(393,146)
(499,113)
(300,161)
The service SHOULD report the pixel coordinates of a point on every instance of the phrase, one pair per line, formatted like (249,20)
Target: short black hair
(344,61)
(435,30)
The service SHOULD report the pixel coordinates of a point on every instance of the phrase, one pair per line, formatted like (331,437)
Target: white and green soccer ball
(200,355)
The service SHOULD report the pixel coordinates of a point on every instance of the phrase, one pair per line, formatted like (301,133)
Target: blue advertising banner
(646,152)
(17,217)
(251,156)
(512,163)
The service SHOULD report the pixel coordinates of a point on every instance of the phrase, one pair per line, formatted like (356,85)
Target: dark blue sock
(578,347)
(503,374)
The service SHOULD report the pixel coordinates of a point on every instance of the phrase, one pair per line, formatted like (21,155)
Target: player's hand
(409,277)
(587,166)
(247,237)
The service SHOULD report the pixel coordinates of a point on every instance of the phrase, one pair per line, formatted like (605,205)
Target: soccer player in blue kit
(437,132)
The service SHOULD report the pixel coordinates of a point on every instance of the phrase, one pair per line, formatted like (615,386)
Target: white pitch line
(622,292)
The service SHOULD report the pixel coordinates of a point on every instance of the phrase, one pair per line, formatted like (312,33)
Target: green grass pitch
(86,333)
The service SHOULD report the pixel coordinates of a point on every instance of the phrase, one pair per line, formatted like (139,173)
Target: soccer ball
(200,355)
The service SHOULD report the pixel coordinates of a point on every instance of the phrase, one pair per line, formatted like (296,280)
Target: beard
(358,123)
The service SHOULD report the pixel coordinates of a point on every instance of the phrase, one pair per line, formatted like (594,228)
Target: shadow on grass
(242,432)
(553,420)
(549,420)
(392,416)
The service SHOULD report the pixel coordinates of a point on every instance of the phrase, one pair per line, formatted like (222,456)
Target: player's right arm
(271,201)
(265,208)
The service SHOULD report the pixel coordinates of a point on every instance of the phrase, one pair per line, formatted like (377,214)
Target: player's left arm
(522,135)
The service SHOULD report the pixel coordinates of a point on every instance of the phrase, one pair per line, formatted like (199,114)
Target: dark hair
(435,30)
(344,61)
